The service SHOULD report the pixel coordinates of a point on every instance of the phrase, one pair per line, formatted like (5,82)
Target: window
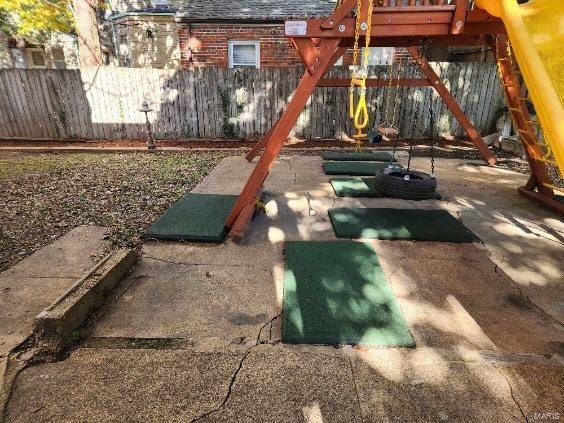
(37,58)
(243,53)
(58,56)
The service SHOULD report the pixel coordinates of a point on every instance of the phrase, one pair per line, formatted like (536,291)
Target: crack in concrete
(515,287)
(229,389)
(512,284)
(269,323)
(235,373)
(310,210)
(512,393)
(356,390)
(272,323)
(181,263)
(294,182)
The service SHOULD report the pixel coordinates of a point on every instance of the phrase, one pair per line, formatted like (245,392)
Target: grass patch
(45,195)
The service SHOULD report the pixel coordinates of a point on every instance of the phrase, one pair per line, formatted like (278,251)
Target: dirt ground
(46,195)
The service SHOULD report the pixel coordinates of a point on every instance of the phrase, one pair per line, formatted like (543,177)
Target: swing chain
(431,123)
(431,114)
(420,50)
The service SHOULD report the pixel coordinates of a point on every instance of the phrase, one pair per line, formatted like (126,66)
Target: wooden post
(237,221)
(261,144)
(453,106)
(459,17)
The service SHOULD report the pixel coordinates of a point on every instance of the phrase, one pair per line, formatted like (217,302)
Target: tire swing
(408,184)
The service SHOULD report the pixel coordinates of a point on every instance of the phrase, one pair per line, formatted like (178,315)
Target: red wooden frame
(321,42)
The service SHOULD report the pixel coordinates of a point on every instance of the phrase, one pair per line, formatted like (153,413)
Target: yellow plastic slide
(536,31)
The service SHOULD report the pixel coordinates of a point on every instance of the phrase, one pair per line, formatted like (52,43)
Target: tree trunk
(89,49)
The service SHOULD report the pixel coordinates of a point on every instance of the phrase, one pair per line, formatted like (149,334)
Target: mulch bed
(214,143)
(45,195)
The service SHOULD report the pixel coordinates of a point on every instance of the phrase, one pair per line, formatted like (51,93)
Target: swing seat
(375,137)
(388,131)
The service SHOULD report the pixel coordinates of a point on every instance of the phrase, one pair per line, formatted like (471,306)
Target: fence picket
(103,103)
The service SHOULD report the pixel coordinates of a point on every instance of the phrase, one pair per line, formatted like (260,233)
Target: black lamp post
(150,138)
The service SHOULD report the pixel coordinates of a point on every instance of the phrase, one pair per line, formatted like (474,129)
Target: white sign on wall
(295,28)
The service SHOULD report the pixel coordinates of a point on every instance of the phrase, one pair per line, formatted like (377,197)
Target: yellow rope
(359,113)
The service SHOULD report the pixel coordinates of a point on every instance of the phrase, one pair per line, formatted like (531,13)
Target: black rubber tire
(420,186)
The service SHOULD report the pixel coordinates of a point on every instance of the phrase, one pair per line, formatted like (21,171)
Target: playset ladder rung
(525,131)
(516,109)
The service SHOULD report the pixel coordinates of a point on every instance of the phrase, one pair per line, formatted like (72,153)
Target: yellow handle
(361,114)
(351,103)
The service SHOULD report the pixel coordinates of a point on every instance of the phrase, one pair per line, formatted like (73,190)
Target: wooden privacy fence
(103,103)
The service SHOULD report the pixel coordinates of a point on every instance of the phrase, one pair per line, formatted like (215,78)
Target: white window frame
(232,43)
(58,63)
(30,63)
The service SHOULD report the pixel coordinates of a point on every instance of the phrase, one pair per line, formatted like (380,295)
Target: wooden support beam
(374,82)
(382,29)
(543,199)
(437,40)
(237,220)
(308,52)
(459,17)
(453,106)
(261,144)
(344,10)
(264,140)
(414,9)
(403,24)
(246,214)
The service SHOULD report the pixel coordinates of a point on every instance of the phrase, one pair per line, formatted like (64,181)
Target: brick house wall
(205,44)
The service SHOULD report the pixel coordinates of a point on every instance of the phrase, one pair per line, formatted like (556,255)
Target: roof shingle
(256,10)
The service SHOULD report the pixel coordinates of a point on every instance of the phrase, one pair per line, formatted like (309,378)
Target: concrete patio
(194,332)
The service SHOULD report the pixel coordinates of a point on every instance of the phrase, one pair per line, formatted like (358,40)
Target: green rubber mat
(361,187)
(365,156)
(337,293)
(195,217)
(355,168)
(407,224)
